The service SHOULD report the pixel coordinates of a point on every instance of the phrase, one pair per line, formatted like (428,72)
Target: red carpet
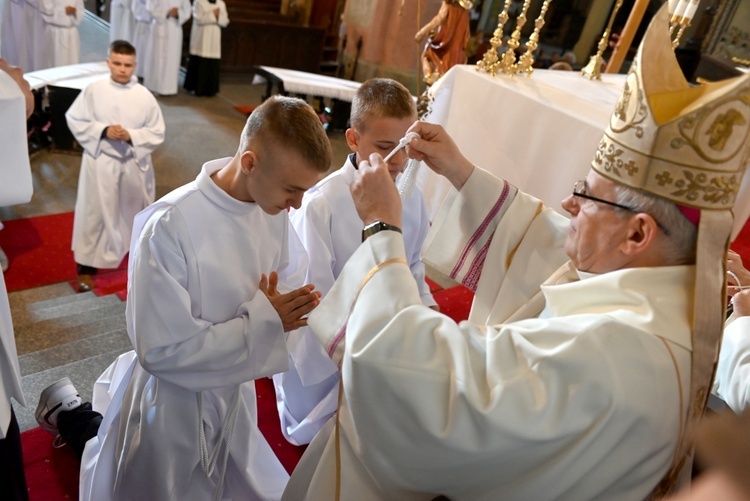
(38,250)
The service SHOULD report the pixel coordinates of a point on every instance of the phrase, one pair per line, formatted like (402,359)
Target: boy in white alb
(206,319)
(119,124)
(330,229)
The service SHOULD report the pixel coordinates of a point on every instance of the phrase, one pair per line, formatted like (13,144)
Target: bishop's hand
(375,194)
(292,306)
(436,148)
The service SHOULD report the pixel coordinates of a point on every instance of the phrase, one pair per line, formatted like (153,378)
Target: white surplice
(13,35)
(205,34)
(15,187)
(331,231)
(200,326)
(117,178)
(164,46)
(732,380)
(141,30)
(121,21)
(61,41)
(559,391)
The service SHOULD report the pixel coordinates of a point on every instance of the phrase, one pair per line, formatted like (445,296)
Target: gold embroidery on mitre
(686,144)
(631,109)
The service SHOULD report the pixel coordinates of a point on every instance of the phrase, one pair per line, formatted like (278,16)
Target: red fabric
(741,244)
(51,474)
(455,302)
(38,250)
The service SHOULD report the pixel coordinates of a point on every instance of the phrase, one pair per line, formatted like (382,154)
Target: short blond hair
(290,123)
(381,98)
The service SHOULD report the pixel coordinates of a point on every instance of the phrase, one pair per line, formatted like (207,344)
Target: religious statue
(448,35)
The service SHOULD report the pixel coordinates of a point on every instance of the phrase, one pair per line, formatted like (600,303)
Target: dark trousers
(77,426)
(12,477)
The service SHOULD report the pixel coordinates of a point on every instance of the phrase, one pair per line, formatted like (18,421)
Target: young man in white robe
(15,187)
(588,355)
(164,45)
(207,316)
(330,229)
(61,40)
(119,124)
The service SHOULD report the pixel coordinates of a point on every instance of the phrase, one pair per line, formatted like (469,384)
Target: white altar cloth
(74,76)
(538,133)
(312,84)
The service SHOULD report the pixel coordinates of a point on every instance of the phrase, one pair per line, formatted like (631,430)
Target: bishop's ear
(642,233)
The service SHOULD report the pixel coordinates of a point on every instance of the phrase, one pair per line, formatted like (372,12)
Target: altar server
(61,40)
(119,125)
(164,45)
(209,17)
(121,21)
(15,187)
(207,317)
(587,359)
(13,42)
(331,230)
(141,30)
(34,28)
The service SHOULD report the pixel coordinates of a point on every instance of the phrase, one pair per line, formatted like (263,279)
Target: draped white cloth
(565,390)
(141,30)
(331,231)
(199,326)
(117,178)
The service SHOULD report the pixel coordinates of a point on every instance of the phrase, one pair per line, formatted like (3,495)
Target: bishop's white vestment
(732,379)
(566,390)
(117,178)
(164,46)
(61,40)
(331,231)
(203,332)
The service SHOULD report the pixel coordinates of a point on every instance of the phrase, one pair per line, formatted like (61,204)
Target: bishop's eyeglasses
(579,190)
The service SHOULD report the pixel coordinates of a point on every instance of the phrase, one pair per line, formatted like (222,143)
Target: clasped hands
(292,306)
(118,133)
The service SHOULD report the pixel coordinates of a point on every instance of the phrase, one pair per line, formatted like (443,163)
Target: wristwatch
(377,226)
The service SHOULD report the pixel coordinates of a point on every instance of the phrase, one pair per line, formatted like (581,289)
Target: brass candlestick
(490,62)
(508,59)
(681,19)
(527,59)
(593,70)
